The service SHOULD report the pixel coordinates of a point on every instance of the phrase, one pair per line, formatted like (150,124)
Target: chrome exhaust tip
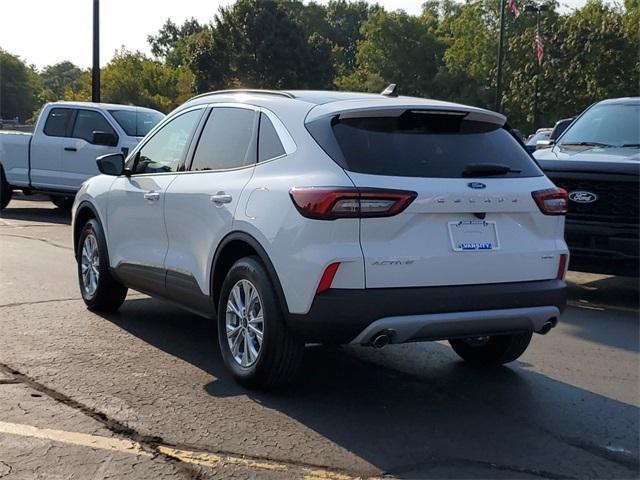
(381,339)
(548,326)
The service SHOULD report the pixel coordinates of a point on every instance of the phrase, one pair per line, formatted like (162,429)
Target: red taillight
(562,266)
(327,277)
(553,201)
(330,203)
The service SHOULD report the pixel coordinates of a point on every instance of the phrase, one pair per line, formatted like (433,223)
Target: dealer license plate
(473,235)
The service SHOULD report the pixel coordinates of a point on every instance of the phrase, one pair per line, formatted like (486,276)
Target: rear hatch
(473,220)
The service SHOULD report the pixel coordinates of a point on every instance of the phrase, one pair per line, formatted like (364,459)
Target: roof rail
(247,90)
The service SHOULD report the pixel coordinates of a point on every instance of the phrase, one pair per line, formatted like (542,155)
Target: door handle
(70,149)
(152,196)
(220,198)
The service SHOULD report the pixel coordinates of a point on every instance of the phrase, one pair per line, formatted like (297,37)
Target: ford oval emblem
(476,185)
(582,196)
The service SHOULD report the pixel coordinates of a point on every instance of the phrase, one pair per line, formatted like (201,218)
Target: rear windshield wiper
(487,169)
(586,144)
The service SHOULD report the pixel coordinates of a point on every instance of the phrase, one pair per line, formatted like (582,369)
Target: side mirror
(111,164)
(107,139)
(544,144)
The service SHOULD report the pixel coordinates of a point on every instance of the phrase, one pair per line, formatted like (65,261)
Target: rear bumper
(344,315)
(603,247)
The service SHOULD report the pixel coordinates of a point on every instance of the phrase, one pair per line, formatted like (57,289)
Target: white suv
(329,217)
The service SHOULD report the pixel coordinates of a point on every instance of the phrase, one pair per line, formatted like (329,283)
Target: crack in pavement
(619,458)
(27,225)
(66,299)
(44,240)
(6,471)
(186,459)
(36,302)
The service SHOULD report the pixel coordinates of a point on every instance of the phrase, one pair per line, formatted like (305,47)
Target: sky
(44,32)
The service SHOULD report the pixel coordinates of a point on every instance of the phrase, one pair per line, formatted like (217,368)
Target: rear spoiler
(394,107)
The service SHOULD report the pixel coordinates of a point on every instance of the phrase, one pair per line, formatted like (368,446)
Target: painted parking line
(74,438)
(203,459)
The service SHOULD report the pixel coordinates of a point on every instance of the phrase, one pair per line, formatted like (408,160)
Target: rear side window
(417,144)
(269,144)
(227,140)
(87,122)
(57,121)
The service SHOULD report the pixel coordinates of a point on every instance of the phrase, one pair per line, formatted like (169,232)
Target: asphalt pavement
(144,394)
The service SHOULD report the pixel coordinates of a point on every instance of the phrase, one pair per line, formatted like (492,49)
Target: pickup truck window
(57,121)
(87,122)
(166,149)
(136,123)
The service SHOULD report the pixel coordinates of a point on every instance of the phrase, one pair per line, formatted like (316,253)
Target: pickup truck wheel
(256,345)
(493,350)
(100,291)
(5,191)
(62,202)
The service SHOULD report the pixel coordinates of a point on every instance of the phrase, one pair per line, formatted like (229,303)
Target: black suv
(597,160)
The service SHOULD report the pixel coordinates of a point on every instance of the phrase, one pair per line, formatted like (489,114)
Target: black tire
(496,350)
(5,191)
(109,294)
(280,355)
(62,202)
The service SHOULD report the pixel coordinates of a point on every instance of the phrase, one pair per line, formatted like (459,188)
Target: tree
(133,78)
(396,48)
(344,20)
(62,80)
(255,43)
(18,87)
(588,57)
(172,41)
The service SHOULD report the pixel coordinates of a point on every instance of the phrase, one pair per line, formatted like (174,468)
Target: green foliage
(396,48)
(18,87)
(172,41)
(132,78)
(62,80)
(256,43)
(448,52)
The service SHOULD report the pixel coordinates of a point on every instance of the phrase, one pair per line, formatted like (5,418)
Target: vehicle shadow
(596,290)
(416,411)
(620,329)
(35,208)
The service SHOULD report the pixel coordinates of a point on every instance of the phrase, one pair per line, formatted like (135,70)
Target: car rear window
(417,144)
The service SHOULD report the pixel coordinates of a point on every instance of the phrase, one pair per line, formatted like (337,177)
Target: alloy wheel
(90,264)
(244,323)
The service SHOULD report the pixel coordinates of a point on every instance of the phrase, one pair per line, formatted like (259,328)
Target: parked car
(329,217)
(61,152)
(558,129)
(597,160)
(534,140)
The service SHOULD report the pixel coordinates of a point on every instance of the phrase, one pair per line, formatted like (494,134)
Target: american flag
(513,6)
(539,47)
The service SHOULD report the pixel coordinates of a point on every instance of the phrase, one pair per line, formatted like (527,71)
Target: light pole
(95,72)
(538,9)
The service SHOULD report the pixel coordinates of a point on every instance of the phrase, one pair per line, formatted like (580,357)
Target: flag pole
(538,9)
(498,103)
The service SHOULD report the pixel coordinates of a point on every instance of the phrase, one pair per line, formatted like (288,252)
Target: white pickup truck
(61,152)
